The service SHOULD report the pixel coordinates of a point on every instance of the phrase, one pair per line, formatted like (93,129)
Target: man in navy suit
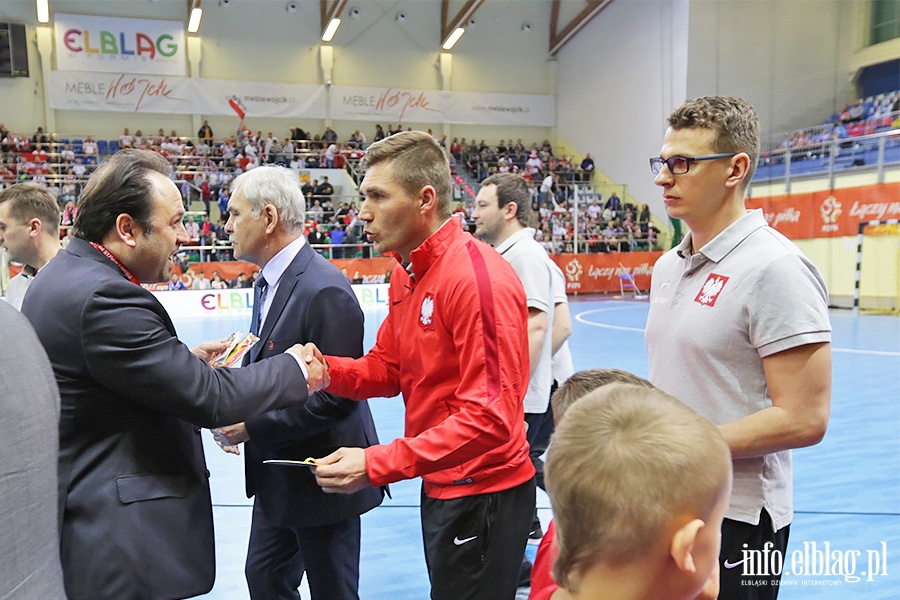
(133,485)
(300,297)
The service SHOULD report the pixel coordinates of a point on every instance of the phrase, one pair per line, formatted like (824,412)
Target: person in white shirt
(29,230)
(126,140)
(330,152)
(89,147)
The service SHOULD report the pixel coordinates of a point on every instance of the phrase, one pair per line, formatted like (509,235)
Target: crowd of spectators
(862,117)
(205,165)
(611,226)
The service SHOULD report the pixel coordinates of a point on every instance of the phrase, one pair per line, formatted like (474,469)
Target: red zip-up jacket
(455,344)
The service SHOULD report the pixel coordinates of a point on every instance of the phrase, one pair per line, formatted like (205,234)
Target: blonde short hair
(584,382)
(624,461)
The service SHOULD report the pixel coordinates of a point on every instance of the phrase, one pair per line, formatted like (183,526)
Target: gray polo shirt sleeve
(794,307)
(559,284)
(535,278)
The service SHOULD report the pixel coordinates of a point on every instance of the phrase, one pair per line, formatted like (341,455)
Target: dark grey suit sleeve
(128,346)
(29,427)
(333,322)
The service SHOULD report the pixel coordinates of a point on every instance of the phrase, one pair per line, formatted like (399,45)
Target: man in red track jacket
(455,344)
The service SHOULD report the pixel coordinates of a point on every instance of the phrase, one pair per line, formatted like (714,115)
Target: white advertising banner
(262,99)
(125,92)
(194,304)
(435,106)
(109,44)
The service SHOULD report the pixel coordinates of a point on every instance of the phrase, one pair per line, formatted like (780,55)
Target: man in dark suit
(29,403)
(133,489)
(302,298)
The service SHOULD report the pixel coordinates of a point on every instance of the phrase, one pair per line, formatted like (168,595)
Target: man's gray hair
(277,186)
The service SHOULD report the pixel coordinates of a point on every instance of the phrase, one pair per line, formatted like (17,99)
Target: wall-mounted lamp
(194,23)
(43,11)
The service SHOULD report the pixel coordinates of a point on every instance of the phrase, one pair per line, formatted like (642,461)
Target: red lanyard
(119,264)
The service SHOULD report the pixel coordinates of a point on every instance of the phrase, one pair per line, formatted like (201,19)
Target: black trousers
(742,574)
(474,545)
(277,557)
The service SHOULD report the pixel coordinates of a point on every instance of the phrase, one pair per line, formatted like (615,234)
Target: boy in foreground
(639,484)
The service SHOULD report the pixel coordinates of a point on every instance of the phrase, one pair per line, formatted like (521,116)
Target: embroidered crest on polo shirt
(427,310)
(711,289)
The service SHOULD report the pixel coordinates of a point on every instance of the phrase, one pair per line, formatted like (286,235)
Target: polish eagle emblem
(711,289)
(427,310)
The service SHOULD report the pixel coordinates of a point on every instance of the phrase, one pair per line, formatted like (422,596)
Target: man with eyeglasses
(738,328)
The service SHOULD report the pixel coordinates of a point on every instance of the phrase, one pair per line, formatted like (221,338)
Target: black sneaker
(535,534)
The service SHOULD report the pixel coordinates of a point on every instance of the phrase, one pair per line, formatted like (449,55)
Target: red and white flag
(238,106)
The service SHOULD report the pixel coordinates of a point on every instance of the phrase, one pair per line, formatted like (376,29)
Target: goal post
(877,277)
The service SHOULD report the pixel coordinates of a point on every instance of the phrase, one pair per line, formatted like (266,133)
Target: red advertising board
(586,273)
(830,213)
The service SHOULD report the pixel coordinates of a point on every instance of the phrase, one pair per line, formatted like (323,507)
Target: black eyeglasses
(679,165)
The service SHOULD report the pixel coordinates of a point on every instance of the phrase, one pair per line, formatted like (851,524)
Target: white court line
(580,319)
(871,352)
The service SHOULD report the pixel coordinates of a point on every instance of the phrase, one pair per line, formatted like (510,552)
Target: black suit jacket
(313,303)
(133,484)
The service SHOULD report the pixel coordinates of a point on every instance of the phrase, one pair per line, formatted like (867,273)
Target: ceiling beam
(461,18)
(327,13)
(558,39)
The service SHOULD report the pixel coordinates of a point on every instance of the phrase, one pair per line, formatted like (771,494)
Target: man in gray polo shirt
(502,215)
(738,328)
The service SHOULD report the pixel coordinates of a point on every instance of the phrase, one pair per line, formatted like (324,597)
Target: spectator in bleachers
(205,132)
(316,211)
(67,155)
(287,152)
(217,282)
(330,136)
(614,202)
(241,281)
(357,140)
(587,167)
(338,236)
(175,283)
(350,238)
(39,140)
(309,188)
(201,282)
(379,134)
(548,193)
(126,140)
(329,155)
(534,163)
(316,237)
(324,189)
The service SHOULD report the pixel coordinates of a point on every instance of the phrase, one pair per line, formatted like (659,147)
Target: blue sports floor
(846,489)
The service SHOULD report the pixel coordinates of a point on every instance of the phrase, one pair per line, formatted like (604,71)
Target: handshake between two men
(342,471)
